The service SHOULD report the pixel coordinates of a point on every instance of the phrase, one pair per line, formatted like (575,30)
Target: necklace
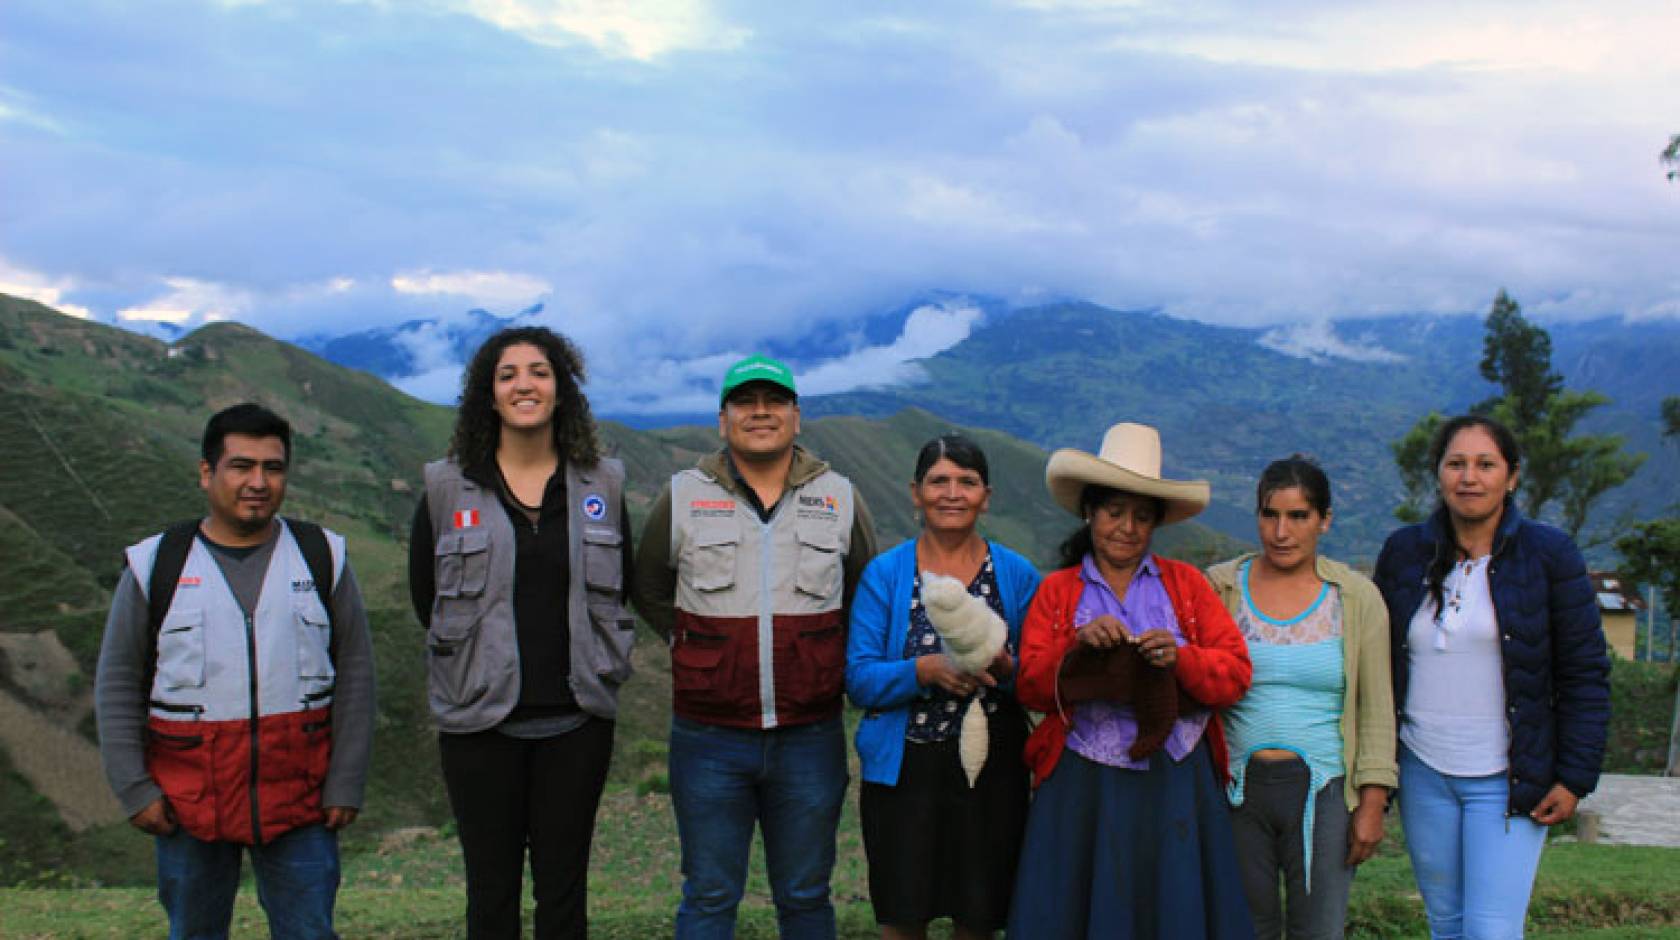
(1449,616)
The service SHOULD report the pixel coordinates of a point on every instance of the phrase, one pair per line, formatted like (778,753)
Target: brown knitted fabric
(1122,676)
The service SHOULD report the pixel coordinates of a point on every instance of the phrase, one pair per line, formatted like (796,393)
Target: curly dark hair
(478,429)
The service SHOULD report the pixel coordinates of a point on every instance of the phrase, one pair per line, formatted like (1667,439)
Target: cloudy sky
(672,178)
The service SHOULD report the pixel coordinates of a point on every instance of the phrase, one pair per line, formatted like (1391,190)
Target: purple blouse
(1102,732)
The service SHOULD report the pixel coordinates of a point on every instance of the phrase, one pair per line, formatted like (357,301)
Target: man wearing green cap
(746,565)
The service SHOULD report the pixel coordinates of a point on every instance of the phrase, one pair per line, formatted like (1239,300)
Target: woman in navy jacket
(938,847)
(1501,680)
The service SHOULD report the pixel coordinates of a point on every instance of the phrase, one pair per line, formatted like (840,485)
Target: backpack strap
(317,554)
(167,563)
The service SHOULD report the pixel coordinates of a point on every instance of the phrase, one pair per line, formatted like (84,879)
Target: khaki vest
(472,645)
(759,639)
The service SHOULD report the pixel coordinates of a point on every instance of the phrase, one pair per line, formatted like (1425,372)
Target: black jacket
(1557,674)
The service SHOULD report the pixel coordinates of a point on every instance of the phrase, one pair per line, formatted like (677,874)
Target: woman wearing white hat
(1130,656)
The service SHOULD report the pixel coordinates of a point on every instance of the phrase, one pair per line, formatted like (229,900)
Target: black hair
(1077,545)
(1508,448)
(1299,471)
(247,418)
(956,448)
(478,429)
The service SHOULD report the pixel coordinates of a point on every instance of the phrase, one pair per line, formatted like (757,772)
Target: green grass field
(411,887)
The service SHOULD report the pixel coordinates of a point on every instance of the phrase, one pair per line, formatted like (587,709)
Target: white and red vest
(759,638)
(239,723)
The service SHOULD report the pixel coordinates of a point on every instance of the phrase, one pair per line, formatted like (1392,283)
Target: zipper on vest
(767,625)
(251,666)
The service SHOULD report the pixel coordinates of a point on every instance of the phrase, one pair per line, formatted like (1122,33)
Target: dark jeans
(788,781)
(297,881)
(1270,842)
(511,793)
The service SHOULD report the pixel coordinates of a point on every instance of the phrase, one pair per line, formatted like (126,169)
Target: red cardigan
(1212,667)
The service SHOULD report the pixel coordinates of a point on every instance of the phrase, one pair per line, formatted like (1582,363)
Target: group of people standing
(1216,754)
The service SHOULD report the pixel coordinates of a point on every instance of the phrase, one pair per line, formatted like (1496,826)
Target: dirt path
(59,764)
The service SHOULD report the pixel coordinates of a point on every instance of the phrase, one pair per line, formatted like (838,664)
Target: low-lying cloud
(686,178)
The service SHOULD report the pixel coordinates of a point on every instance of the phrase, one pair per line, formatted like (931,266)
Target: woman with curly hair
(517,566)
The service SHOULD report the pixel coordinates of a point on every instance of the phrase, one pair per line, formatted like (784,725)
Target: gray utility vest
(760,639)
(473,648)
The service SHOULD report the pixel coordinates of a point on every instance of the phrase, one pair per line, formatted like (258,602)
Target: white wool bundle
(974,740)
(973,635)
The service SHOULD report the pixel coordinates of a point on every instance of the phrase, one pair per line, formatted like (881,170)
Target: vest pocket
(710,565)
(452,643)
(821,656)
(696,661)
(603,568)
(819,569)
(314,643)
(180,763)
(180,650)
(615,635)
(463,562)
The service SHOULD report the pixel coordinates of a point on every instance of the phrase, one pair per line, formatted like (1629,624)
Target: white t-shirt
(1455,701)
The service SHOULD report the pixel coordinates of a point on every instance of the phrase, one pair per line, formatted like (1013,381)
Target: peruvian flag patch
(466,518)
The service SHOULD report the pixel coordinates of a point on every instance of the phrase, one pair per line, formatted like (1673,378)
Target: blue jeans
(297,882)
(790,781)
(1474,865)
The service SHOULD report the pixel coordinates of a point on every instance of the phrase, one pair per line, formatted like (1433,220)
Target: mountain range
(1227,399)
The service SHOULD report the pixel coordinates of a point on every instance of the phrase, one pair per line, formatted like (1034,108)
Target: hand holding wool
(973,634)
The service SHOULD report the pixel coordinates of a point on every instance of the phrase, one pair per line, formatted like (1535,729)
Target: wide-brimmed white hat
(1129,461)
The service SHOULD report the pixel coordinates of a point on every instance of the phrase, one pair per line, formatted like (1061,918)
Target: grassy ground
(410,887)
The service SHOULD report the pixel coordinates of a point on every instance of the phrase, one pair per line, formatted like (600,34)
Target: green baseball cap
(757,368)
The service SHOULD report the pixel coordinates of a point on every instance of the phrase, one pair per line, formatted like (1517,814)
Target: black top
(751,495)
(541,582)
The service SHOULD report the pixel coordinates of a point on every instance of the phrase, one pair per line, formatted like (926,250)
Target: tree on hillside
(1671,157)
(1651,552)
(1411,455)
(1517,357)
(1573,470)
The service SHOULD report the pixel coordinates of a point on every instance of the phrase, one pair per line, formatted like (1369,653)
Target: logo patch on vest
(303,586)
(466,518)
(595,507)
(711,508)
(818,507)
(188,581)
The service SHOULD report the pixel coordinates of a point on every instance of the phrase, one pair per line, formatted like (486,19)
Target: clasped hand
(938,669)
(1158,647)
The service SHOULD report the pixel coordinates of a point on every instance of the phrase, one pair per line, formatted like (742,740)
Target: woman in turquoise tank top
(1312,744)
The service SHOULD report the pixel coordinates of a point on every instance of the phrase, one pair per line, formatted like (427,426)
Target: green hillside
(1226,403)
(99,434)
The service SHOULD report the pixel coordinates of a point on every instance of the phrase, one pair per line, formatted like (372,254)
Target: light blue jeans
(790,782)
(1474,865)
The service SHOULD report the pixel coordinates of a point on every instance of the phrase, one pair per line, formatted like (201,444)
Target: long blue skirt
(1130,854)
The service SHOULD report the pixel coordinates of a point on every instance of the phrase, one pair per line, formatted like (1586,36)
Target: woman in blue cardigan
(1501,679)
(938,847)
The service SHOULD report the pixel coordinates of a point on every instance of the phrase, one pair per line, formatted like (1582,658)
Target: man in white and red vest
(235,693)
(746,565)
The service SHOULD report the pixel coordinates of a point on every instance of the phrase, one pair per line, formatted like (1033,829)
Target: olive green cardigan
(1368,702)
